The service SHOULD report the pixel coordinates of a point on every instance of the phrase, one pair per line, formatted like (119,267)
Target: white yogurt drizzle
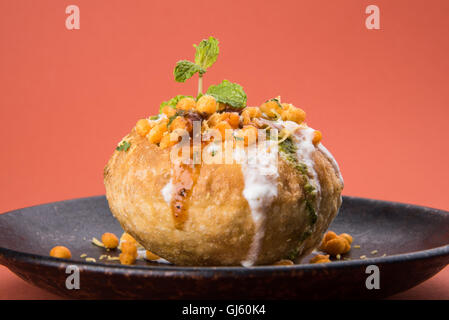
(261,189)
(303,138)
(260,173)
(167,192)
(142,255)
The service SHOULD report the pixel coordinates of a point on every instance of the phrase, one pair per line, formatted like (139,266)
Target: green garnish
(185,69)
(205,56)
(123,146)
(288,151)
(177,114)
(312,214)
(172,102)
(305,235)
(206,53)
(277,102)
(293,254)
(228,93)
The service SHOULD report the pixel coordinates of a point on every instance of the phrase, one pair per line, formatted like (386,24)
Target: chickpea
(316,137)
(250,112)
(126,237)
(143,127)
(286,106)
(151,256)
(129,252)
(169,111)
(110,241)
(320,258)
(186,104)
(284,262)
(181,123)
(127,259)
(129,247)
(155,134)
(348,237)
(294,114)
(335,245)
(206,104)
(329,236)
(233,119)
(61,252)
(166,141)
(222,127)
(249,134)
(214,119)
(271,108)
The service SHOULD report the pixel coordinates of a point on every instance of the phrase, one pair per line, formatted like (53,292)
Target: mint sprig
(205,56)
(228,93)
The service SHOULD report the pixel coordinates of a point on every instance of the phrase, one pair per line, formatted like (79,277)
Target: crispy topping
(336,244)
(61,252)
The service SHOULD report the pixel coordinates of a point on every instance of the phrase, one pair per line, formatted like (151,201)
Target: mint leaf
(228,93)
(185,69)
(172,102)
(206,53)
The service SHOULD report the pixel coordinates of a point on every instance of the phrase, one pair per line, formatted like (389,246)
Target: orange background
(380,97)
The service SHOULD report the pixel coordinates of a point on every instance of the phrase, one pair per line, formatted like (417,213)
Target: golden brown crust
(219,228)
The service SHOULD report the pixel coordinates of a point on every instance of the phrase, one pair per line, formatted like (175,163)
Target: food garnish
(319,258)
(336,244)
(60,252)
(212,127)
(123,146)
(205,56)
(110,240)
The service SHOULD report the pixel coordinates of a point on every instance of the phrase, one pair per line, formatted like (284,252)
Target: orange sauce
(184,179)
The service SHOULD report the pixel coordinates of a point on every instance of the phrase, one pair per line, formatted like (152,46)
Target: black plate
(413,238)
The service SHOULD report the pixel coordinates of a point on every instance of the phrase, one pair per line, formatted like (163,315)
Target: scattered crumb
(113,258)
(103,256)
(384,255)
(374,252)
(338,256)
(83,255)
(97,242)
(363,257)
(91,260)
(356,246)
(347,259)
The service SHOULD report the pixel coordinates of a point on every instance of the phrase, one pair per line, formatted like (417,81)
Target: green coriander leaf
(277,102)
(172,102)
(228,93)
(124,146)
(170,120)
(206,53)
(185,69)
(177,114)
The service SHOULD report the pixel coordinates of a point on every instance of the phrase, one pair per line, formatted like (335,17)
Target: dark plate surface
(414,239)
